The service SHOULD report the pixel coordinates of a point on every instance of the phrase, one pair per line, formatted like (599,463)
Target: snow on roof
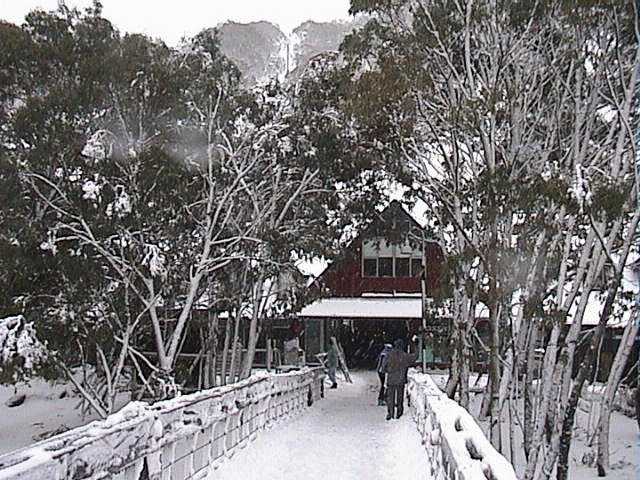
(482,311)
(364,307)
(591,315)
(312,268)
(419,212)
(594,307)
(596,302)
(315,267)
(592,312)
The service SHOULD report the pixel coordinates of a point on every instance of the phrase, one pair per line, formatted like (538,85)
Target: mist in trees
(141,183)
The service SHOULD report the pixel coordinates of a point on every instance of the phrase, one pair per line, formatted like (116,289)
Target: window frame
(412,261)
(395,267)
(396,254)
(363,271)
(392,265)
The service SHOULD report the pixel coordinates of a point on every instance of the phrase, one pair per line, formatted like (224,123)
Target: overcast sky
(173,19)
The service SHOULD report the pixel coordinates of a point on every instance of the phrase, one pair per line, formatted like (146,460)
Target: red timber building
(372,294)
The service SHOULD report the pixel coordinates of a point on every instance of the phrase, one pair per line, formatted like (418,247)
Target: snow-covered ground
(344,437)
(624,438)
(624,444)
(42,415)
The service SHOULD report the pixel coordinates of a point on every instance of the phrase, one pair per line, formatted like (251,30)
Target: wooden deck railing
(455,444)
(179,439)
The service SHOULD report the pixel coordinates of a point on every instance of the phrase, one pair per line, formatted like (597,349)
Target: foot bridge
(272,427)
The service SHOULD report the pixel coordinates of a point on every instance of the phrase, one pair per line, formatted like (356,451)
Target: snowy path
(342,437)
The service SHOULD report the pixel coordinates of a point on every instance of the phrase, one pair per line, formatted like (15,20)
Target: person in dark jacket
(332,364)
(396,364)
(381,373)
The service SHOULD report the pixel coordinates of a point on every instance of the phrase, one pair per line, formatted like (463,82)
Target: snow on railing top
(455,443)
(208,424)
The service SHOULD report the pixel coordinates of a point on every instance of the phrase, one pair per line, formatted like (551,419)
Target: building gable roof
(380,223)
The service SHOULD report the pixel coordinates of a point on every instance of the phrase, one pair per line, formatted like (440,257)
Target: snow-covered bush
(21,353)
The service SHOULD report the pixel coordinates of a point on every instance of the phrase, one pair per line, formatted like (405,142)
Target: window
(381,258)
(402,267)
(416,267)
(385,267)
(370,267)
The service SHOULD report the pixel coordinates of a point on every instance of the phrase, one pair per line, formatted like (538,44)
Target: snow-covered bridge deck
(345,436)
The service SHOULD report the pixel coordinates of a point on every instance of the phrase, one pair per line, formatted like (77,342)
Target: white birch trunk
(617,368)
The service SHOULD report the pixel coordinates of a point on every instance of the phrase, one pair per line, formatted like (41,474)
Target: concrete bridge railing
(456,445)
(179,439)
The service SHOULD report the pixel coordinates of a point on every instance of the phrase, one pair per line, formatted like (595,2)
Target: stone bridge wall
(455,443)
(179,439)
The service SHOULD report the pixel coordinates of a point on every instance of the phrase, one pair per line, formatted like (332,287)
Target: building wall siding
(345,279)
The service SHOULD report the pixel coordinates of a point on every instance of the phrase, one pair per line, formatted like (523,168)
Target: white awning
(365,307)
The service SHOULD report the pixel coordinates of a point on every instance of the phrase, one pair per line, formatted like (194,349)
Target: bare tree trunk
(225,350)
(464,369)
(254,332)
(620,361)
(562,471)
(587,363)
(210,355)
(214,350)
(468,310)
(260,298)
(512,428)
(494,374)
(236,348)
(545,396)
(515,356)
(529,378)
(638,396)
(454,374)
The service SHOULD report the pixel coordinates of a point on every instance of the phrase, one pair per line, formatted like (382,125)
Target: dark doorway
(362,340)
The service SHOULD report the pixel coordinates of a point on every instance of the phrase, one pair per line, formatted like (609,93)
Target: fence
(456,446)
(179,439)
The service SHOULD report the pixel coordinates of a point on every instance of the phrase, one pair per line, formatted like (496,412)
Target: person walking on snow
(332,364)
(381,373)
(396,364)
